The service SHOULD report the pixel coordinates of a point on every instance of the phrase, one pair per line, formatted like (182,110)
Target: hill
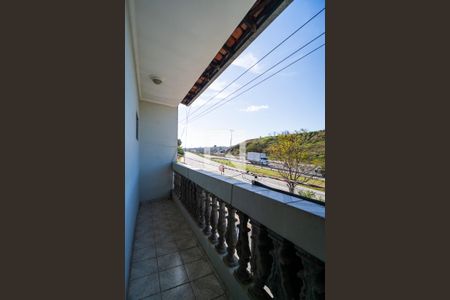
(262,144)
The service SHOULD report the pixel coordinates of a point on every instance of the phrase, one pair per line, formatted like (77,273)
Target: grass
(225,162)
(273,173)
(267,172)
(311,195)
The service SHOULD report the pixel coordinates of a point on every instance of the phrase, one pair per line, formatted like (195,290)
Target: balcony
(222,238)
(168,262)
(191,234)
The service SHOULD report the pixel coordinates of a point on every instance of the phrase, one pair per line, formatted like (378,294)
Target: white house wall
(131,148)
(158,149)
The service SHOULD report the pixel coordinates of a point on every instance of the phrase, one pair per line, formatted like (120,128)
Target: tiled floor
(168,262)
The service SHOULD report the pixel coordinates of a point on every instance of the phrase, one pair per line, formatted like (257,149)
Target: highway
(272,165)
(211,166)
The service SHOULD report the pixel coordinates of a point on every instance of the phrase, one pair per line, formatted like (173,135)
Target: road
(209,165)
(271,166)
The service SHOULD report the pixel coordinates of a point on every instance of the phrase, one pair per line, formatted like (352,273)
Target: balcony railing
(272,243)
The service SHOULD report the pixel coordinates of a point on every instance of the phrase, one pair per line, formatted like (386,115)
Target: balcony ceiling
(177,39)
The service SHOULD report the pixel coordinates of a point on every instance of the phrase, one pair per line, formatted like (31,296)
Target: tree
(180,149)
(292,150)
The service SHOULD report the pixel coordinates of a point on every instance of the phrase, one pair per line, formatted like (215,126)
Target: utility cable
(273,66)
(255,85)
(265,55)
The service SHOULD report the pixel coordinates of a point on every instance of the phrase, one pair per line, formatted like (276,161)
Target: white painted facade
(174,40)
(131,147)
(157,149)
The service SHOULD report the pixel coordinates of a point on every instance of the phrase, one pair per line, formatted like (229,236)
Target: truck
(257,158)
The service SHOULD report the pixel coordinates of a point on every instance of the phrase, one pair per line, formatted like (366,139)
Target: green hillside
(262,144)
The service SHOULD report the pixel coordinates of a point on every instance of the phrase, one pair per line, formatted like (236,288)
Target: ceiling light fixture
(156,80)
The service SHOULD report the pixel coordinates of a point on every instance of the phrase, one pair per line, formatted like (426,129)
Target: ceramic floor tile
(172,277)
(190,255)
(166,248)
(163,243)
(198,269)
(145,242)
(169,261)
(144,223)
(182,292)
(154,297)
(207,288)
(143,287)
(223,297)
(183,234)
(147,236)
(144,234)
(164,238)
(164,225)
(143,267)
(186,243)
(144,253)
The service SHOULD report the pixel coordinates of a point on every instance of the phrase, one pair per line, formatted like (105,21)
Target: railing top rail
(300,221)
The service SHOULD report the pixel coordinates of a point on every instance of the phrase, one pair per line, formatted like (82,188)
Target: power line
(267,54)
(252,80)
(185,130)
(185,122)
(253,86)
(181,136)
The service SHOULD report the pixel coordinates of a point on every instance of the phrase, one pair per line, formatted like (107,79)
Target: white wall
(131,148)
(158,148)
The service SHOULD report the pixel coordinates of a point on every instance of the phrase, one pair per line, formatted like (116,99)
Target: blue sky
(294,99)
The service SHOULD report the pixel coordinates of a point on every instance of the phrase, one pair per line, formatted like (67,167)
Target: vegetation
(320,184)
(180,149)
(310,195)
(292,149)
(264,171)
(315,146)
(276,174)
(307,194)
(224,162)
